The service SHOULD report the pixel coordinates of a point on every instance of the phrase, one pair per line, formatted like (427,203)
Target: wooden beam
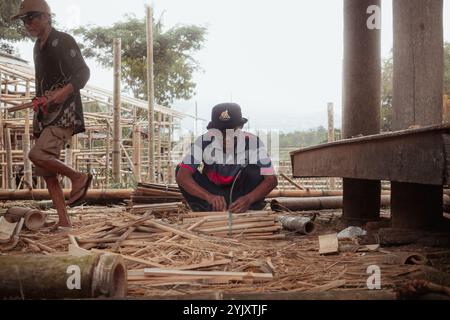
(391,157)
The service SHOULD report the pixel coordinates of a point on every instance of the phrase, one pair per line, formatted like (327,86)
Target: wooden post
(89,160)
(137,152)
(26,143)
(108,152)
(151,96)
(117,132)
(361,103)
(2,146)
(331,138)
(9,159)
(170,175)
(159,145)
(417,100)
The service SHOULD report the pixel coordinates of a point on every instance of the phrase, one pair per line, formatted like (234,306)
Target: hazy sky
(280,60)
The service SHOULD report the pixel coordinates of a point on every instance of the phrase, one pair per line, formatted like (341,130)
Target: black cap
(226,116)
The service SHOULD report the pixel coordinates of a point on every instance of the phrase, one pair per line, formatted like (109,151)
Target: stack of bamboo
(258,225)
(156,193)
(156,207)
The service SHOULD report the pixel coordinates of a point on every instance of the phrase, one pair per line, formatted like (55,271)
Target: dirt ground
(295,262)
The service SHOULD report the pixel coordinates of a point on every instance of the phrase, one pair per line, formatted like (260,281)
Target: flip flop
(74,202)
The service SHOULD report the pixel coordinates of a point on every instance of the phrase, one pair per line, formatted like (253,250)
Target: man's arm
(185,181)
(259,193)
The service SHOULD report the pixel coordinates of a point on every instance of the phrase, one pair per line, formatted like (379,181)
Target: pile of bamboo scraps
(258,225)
(155,193)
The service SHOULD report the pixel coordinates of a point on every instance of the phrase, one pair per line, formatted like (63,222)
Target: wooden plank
(328,244)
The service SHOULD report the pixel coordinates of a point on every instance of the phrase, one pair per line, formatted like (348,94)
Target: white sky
(280,60)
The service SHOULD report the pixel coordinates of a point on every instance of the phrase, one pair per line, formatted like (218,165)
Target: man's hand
(241,205)
(217,202)
(59,96)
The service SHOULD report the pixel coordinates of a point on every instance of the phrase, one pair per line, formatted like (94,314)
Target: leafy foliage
(174,64)
(10,31)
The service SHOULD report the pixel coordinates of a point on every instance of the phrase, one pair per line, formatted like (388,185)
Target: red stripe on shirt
(182,165)
(218,179)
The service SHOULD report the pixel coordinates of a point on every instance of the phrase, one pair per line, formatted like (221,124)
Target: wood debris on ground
(169,254)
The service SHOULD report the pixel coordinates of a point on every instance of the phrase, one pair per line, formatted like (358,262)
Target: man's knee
(33,155)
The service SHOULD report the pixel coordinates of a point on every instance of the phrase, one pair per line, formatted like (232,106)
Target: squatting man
(226,169)
(60,72)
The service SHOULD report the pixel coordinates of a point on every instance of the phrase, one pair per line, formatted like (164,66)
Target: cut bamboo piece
(34,219)
(237,227)
(6,230)
(50,277)
(241,275)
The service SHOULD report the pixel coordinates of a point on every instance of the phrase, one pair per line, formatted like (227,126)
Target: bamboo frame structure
(92,150)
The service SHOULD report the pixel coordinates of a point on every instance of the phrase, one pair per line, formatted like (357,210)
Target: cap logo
(225,116)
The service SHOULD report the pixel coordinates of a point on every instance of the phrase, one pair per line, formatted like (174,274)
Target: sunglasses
(30,16)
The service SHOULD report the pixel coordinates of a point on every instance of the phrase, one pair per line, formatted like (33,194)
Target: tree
(174,64)
(447,68)
(387,75)
(10,31)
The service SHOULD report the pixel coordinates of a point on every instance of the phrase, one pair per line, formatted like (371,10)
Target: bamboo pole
(89,160)
(117,130)
(158,148)
(26,143)
(151,96)
(137,152)
(43,277)
(170,165)
(108,151)
(9,160)
(3,182)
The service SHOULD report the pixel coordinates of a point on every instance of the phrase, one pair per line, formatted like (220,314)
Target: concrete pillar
(361,103)
(417,100)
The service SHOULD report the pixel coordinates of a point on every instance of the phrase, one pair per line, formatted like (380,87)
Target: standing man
(58,113)
(237,174)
